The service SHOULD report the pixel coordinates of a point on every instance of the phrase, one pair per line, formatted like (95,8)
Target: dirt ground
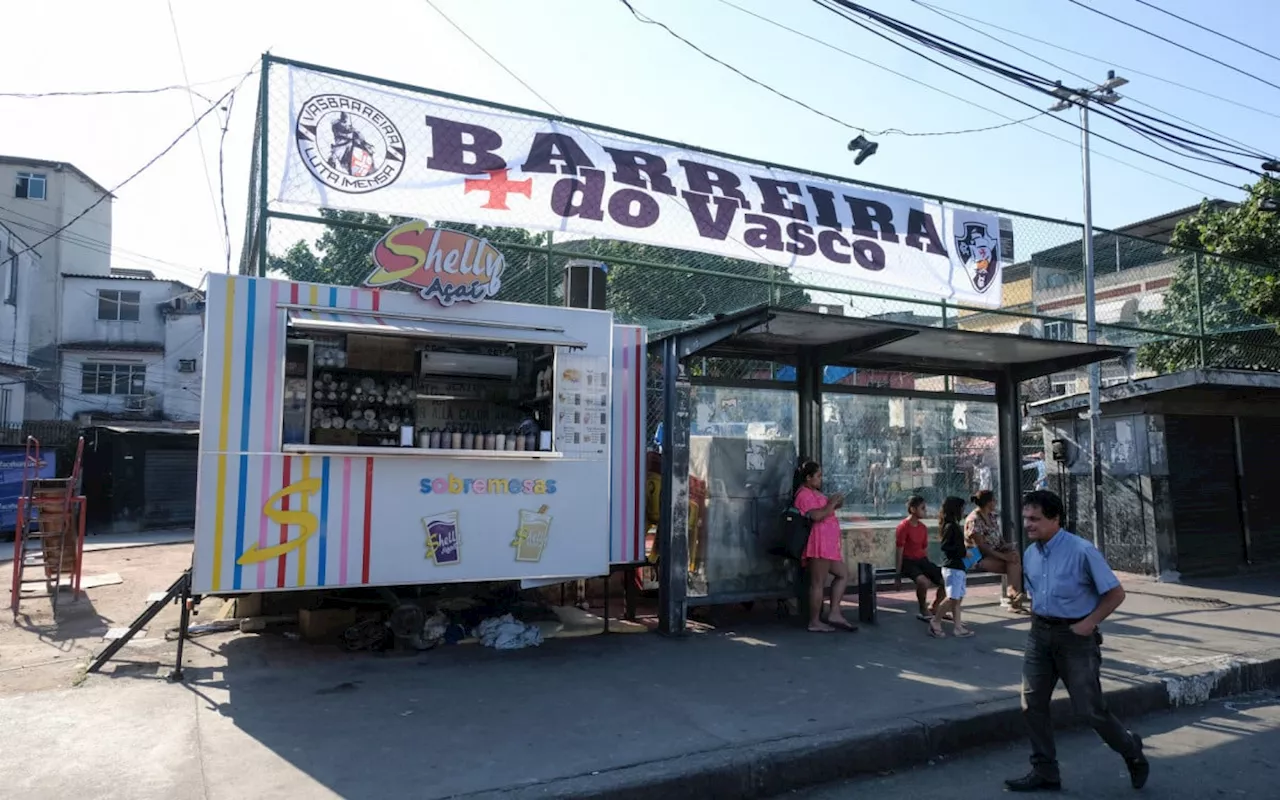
(38,654)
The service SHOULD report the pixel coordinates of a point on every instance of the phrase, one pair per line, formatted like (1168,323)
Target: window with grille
(116,305)
(114,379)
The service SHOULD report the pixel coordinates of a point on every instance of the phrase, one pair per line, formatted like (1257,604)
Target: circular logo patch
(348,144)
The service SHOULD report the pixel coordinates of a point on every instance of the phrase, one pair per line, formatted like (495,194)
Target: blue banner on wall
(829,374)
(11,459)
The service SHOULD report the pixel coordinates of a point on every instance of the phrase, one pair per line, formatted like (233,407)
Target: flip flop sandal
(937,634)
(967,633)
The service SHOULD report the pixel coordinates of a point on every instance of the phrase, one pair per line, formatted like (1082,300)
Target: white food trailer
(414,430)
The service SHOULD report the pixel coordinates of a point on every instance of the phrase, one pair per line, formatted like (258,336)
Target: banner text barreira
(363,147)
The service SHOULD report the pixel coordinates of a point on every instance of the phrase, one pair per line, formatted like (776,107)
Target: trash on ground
(508,633)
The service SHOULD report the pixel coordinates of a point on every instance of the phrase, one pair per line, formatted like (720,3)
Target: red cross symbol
(498,187)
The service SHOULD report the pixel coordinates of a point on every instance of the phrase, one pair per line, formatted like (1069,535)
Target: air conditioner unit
(135,403)
(186,365)
(435,363)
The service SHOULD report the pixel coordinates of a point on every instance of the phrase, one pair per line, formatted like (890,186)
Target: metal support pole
(263,176)
(1091,325)
(1200,362)
(1010,445)
(184,624)
(551,254)
(809,390)
(673,526)
(946,379)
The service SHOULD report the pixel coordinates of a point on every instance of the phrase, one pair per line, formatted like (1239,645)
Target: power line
(1178,45)
(111,92)
(909,32)
(953,18)
(222,177)
(1107,62)
(644,18)
(92,244)
(1208,29)
(944,93)
(491,56)
(143,168)
(1017,75)
(204,158)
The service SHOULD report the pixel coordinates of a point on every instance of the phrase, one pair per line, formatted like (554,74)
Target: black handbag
(796,528)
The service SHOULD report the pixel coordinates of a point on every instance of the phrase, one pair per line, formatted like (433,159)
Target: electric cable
(1207,29)
(910,33)
(1178,45)
(648,20)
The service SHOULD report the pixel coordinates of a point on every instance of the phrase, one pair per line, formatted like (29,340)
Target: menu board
(582,406)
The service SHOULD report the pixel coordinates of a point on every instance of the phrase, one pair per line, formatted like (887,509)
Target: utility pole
(1104,94)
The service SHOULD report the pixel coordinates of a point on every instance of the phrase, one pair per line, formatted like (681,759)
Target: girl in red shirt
(823,554)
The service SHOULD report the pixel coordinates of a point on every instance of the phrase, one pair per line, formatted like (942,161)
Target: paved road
(1222,749)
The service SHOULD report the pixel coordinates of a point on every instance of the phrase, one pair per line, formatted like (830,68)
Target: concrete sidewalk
(94,542)
(749,708)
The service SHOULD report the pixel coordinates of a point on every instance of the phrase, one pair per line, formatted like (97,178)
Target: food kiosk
(414,430)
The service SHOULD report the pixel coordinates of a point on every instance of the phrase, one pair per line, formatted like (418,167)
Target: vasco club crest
(980,252)
(348,144)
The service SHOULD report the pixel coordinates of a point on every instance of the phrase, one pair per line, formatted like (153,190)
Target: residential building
(1132,271)
(19,264)
(130,347)
(39,199)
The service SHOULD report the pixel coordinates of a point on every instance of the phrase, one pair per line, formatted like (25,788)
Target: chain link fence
(1178,309)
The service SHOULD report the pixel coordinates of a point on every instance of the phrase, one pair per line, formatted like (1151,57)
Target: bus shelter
(810,343)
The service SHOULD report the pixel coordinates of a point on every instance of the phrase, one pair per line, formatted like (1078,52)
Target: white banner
(363,147)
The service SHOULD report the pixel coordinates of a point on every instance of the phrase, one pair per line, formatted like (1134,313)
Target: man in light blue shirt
(1072,590)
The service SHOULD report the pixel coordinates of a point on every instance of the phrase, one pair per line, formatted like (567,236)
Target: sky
(592,60)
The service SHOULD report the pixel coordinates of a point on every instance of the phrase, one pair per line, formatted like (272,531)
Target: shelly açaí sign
(443,265)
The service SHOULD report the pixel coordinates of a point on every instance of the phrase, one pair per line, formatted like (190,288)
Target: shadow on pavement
(457,720)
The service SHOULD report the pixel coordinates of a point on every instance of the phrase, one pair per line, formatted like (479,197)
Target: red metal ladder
(59,499)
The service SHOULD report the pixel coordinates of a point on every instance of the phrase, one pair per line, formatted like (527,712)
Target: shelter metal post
(809,387)
(673,524)
(1010,443)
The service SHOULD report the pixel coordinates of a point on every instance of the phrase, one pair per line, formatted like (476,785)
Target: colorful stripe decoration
(274,520)
(258,491)
(224,425)
(626,533)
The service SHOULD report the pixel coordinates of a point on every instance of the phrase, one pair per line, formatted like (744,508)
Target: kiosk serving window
(466,387)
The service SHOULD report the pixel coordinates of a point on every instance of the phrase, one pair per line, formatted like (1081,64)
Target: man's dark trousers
(1054,652)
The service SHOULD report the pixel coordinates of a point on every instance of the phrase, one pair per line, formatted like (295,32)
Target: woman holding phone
(823,554)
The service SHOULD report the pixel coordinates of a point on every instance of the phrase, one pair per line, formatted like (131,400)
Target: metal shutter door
(1259,452)
(1206,499)
(169,487)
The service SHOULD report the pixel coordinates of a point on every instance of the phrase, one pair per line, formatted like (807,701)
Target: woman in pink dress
(822,555)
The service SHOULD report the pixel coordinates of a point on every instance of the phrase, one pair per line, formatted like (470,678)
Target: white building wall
(80,322)
(184,341)
(87,339)
(17,267)
(83,248)
(75,400)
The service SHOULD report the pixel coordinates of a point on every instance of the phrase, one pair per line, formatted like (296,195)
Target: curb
(769,769)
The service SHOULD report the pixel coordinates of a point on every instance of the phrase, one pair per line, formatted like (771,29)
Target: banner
(363,147)
(11,461)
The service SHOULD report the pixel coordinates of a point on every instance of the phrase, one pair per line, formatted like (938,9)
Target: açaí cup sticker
(443,545)
(532,535)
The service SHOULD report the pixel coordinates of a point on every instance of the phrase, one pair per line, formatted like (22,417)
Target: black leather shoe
(1034,782)
(1139,768)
